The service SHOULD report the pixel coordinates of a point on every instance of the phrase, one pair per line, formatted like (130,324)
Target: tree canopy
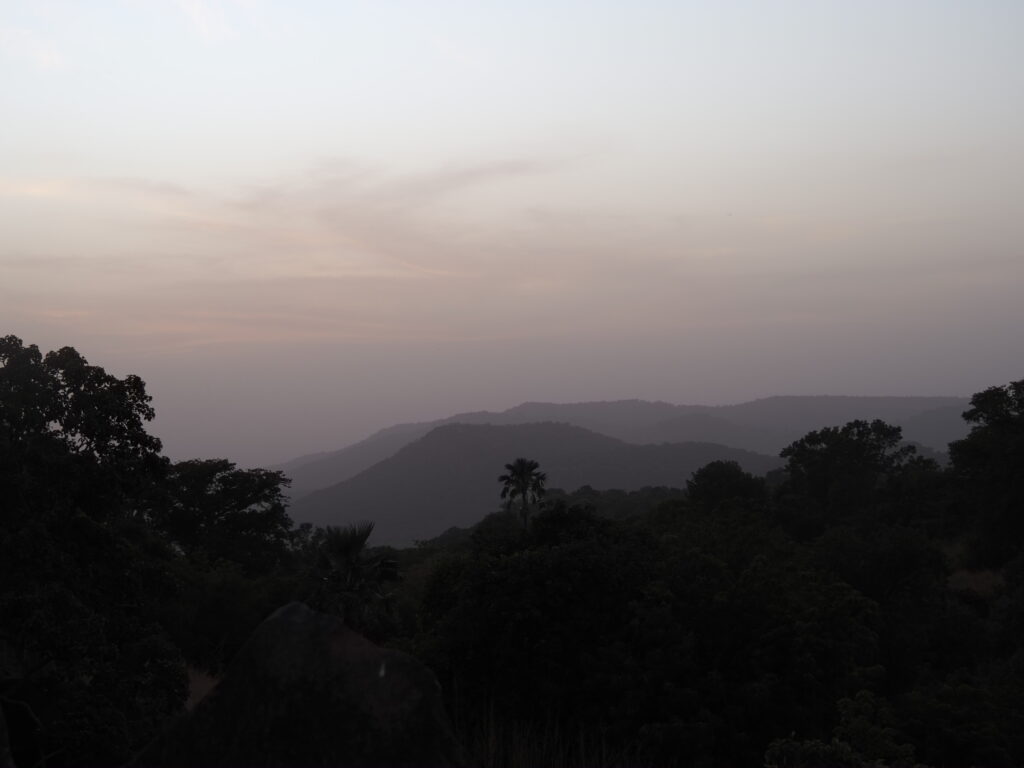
(210,508)
(990,464)
(861,608)
(523,480)
(62,397)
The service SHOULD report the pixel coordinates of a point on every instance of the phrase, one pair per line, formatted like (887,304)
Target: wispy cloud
(30,188)
(345,183)
(144,186)
(346,251)
(432,186)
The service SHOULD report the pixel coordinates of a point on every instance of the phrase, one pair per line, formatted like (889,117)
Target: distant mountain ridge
(762,426)
(448,477)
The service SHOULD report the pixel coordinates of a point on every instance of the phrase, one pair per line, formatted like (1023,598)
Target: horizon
(373,432)
(303,224)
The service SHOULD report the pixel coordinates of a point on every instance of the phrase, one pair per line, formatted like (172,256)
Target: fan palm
(525,481)
(349,583)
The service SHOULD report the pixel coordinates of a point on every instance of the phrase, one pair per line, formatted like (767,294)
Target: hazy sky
(300,221)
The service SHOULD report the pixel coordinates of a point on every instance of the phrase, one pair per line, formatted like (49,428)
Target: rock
(6,760)
(306,690)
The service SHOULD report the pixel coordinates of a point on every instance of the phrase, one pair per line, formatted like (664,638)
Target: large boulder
(6,760)
(306,690)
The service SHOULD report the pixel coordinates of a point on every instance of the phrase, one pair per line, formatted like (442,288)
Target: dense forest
(862,605)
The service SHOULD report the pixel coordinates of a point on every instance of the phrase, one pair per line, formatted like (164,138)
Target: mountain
(763,426)
(795,416)
(316,471)
(707,427)
(938,427)
(448,477)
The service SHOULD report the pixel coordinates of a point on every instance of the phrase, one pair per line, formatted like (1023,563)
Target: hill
(448,477)
(762,426)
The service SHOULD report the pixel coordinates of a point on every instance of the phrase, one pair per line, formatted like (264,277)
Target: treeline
(861,606)
(119,568)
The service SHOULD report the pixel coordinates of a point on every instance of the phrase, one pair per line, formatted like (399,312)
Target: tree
(72,437)
(81,581)
(525,481)
(348,582)
(988,463)
(211,508)
(721,481)
(840,469)
(81,405)
(994,449)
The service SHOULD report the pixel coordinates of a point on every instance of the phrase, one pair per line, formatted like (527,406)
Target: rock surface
(306,690)
(6,760)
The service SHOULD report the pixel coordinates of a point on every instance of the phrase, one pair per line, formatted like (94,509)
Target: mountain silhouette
(762,426)
(448,477)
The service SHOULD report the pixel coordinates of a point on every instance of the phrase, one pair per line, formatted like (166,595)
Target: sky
(302,221)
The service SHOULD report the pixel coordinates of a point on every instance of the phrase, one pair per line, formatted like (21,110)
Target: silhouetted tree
(838,471)
(81,581)
(524,480)
(348,582)
(685,631)
(72,437)
(721,481)
(989,462)
(210,508)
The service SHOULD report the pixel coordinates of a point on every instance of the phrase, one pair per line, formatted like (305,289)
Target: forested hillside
(860,606)
(762,426)
(445,478)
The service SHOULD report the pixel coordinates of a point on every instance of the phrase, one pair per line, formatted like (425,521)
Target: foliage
(210,509)
(838,472)
(792,753)
(81,646)
(87,410)
(862,607)
(989,463)
(72,437)
(81,649)
(615,503)
(523,480)
(349,581)
(804,624)
(722,481)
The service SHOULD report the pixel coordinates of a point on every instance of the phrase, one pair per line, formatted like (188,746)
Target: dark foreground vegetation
(862,606)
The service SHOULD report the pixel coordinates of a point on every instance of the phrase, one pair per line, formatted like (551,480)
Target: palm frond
(347,541)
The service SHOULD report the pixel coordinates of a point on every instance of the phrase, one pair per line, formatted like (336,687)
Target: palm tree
(525,480)
(349,583)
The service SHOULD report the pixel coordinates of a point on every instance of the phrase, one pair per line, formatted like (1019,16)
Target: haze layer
(300,223)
